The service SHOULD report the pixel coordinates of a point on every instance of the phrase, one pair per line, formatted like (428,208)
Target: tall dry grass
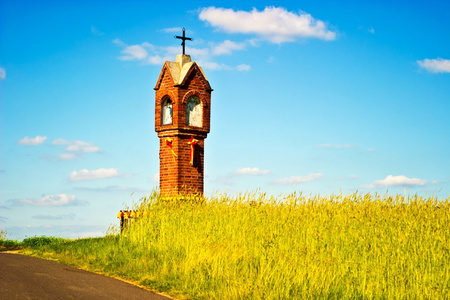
(251,246)
(258,247)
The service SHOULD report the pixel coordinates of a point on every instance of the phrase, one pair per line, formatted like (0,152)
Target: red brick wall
(176,174)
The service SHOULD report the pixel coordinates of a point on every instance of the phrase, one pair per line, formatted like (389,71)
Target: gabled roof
(180,70)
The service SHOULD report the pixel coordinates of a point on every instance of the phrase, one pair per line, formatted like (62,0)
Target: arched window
(194,112)
(166,112)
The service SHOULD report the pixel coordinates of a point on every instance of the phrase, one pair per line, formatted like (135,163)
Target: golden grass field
(251,246)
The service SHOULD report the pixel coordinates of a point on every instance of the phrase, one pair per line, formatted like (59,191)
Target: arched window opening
(166,112)
(194,112)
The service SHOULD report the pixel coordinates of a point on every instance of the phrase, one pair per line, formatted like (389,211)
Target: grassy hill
(250,246)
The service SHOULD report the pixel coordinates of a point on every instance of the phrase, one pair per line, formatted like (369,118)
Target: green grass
(10,245)
(293,247)
(32,242)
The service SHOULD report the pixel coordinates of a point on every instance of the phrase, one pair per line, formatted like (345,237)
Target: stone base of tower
(177,175)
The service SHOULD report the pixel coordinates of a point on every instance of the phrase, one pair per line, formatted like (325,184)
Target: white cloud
(77,146)
(155,60)
(274,24)
(93,174)
(438,65)
(336,146)
(32,141)
(226,47)
(119,42)
(155,55)
(243,67)
(298,179)
(215,66)
(251,171)
(52,200)
(173,29)
(67,156)
(197,52)
(146,52)
(133,52)
(393,181)
(434,182)
(2,73)
(371,30)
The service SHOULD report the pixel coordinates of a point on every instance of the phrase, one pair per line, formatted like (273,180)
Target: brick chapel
(182,122)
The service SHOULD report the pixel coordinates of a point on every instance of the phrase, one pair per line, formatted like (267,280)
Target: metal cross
(183,38)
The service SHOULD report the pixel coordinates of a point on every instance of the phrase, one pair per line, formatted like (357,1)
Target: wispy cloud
(367,29)
(96,32)
(74,148)
(147,53)
(228,179)
(173,29)
(336,146)
(133,52)
(434,182)
(32,141)
(274,24)
(70,216)
(51,200)
(437,65)
(119,42)
(243,67)
(2,73)
(251,171)
(94,174)
(298,179)
(77,146)
(67,156)
(227,47)
(396,181)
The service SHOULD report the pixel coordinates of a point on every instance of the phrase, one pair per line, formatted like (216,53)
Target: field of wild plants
(250,246)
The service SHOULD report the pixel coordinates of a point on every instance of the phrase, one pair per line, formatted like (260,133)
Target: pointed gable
(165,72)
(194,69)
(180,71)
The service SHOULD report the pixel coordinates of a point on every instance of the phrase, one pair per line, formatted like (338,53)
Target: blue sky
(312,96)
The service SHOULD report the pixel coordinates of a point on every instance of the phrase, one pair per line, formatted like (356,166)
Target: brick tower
(182,121)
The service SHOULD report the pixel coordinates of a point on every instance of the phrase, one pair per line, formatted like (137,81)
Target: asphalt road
(24,277)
